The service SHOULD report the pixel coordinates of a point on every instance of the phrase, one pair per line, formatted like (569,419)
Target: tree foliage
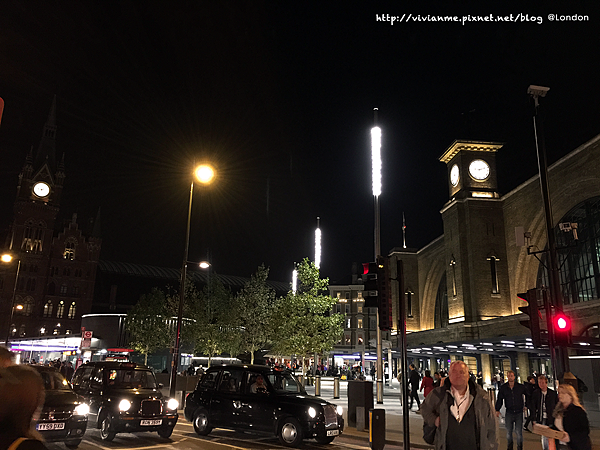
(148,323)
(303,322)
(255,304)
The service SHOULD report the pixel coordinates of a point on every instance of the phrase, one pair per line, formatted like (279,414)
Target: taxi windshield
(54,381)
(284,382)
(131,379)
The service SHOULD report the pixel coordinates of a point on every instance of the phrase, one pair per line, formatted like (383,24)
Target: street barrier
(360,393)
(377,429)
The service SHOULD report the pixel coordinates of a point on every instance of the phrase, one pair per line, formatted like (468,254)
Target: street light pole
(205,174)
(8,258)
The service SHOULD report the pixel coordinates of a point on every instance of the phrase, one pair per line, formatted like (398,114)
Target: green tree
(212,315)
(255,307)
(148,323)
(303,322)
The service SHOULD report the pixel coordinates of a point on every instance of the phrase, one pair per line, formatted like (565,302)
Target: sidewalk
(394,421)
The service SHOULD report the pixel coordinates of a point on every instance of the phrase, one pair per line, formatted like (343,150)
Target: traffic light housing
(385,293)
(531,310)
(561,325)
(370,285)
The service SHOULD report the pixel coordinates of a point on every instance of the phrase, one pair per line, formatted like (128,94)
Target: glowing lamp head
(6,258)
(204,265)
(376,159)
(205,173)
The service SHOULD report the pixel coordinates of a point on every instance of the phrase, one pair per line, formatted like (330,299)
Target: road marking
(216,441)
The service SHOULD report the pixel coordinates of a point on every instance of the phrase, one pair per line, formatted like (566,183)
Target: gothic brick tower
(50,282)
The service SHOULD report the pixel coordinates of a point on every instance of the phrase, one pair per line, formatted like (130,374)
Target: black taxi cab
(124,397)
(64,415)
(261,399)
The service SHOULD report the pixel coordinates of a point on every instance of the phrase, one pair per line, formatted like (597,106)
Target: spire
(46,150)
(96,230)
(60,171)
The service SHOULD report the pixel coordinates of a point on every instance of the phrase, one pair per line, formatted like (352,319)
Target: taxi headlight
(312,412)
(124,405)
(82,410)
(172,404)
(339,410)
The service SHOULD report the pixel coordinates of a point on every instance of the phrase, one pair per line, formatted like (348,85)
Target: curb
(363,436)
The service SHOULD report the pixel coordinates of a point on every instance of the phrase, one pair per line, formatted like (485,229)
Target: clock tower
(472,169)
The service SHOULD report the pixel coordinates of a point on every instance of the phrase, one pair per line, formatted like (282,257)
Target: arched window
(72,309)
(63,289)
(28,306)
(579,266)
(60,311)
(441,305)
(48,309)
(13,329)
(33,236)
(70,245)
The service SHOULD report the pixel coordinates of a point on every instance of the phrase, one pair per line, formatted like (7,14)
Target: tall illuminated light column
(294,280)
(318,244)
(205,175)
(376,166)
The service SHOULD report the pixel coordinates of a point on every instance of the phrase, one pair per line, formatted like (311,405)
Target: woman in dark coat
(570,417)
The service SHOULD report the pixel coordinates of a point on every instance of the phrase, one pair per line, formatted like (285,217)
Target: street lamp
(6,258)
(205,175)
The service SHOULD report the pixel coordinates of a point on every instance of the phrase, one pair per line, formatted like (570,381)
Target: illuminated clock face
(41,189)
(454,175)
(479,169)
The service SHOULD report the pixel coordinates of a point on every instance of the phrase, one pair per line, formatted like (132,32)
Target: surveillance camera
(539,91)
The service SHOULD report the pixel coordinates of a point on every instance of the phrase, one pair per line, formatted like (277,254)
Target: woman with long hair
(21,398)
(427,383)
(570,417)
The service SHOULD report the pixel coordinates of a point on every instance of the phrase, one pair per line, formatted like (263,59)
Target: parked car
(261,399)
(124,397)
(64,414)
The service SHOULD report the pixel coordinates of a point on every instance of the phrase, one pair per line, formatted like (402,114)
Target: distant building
(53,266)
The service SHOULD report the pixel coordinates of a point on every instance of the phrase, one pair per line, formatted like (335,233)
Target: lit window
(360,309)
(360,295)
(28,306)
(359,325)
(69,250)
(60,311)
(48,309)
(348,323)
(72,309)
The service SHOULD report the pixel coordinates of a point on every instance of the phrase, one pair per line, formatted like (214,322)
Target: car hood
(134,393)
(60,398)
(301,399)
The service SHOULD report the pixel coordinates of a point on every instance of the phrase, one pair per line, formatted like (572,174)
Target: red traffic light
(562,322)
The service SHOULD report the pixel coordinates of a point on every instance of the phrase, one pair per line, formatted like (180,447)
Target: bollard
(377,429)
(336,389)
(317,385)
(360,418)
(300,379)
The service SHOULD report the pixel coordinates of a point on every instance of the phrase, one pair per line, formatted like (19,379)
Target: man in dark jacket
(512,394)
(413,379)
(461,412)
(543,402)
(530,387)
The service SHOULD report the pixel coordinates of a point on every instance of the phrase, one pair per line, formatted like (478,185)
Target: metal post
(175,361)
(403,354)
(336,387)
(561,362)
(317,385)
(12,304)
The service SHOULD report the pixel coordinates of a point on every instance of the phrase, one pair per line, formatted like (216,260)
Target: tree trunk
(252,356)
(209,359)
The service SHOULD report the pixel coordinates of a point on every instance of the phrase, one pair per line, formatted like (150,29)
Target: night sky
(280,97)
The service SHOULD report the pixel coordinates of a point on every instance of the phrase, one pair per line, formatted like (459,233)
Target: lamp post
(205,175)
(6,258)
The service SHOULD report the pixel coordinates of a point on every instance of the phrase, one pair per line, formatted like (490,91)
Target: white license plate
(151,422)
(333,432)
(50,426)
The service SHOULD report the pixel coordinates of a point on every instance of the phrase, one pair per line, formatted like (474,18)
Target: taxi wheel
(201,425)
(105,433)
(290,432)
(165,432)
(325,440)
(73,444)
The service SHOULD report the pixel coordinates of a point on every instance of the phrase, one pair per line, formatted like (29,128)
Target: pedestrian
(512,394)
(543,402)
(413,380)
(570,417)
(427,383)
(530,387)
(6,357)
(436,379)
(21,397)
(480,379)
(461,412)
